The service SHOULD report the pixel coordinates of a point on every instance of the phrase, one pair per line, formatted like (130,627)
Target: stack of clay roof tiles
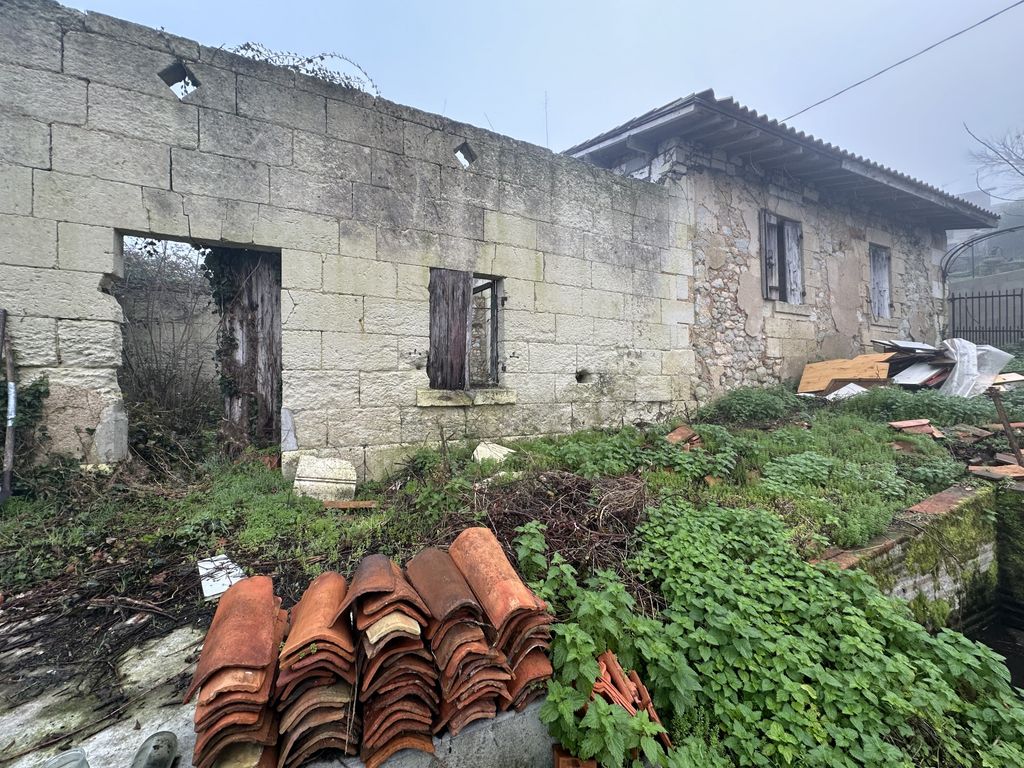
(398,677)
(356,669)
(235,677)
(317,676)
(474,674)
(518,617)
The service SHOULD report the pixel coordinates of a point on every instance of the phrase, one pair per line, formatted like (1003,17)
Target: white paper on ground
(216,574)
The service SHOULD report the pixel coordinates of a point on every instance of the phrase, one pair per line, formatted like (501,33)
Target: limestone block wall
(740,338)
(361,197)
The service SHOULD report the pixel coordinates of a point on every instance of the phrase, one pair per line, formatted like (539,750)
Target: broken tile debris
(917,427)
(615,686)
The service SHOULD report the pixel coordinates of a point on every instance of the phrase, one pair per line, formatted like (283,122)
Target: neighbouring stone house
(433,275)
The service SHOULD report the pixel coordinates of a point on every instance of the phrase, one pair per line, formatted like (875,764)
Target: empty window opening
(881,281)
(464,330)
(465,154)
(179,79)
(201,348)
(782,268)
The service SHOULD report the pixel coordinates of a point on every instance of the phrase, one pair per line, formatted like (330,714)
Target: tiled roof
(725,123)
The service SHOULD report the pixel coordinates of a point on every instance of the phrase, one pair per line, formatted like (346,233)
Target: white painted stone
(324,478)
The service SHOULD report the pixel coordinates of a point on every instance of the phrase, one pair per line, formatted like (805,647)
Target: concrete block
(514,230)
(362,277)
(46,96)
(410,246)
(560,299)
(509,261)
(288,105)
(602,303)
(304,390)
(311,311)
(552,358)
(109,156)
(301,349)
(673,311)
(88,249)
(56,293)
(27,241)
(390,387)
(329,195)
(301,269)
(89,343)
(405,174)
(487,451)
(30,40)
(101,59)
(324,478)
(231,221)
(393,316)
(24,141)
(330,156)
(361,426)
(34,340)
(165,213)
(526,201)
(15,189)
(288,228)
(202,173)
(386,207)
(225,134)
(565,270)
(143,116)
(88,201)
(367,127)
(574,329)
(290,459)
(457,184)
(360,351)
(554,238)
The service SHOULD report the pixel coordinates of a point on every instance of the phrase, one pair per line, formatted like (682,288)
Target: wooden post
(8,467)
(1011,438)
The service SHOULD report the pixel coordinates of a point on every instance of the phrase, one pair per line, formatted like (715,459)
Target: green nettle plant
(759,658)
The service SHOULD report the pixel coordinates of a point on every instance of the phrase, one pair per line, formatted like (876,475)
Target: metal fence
(988,317)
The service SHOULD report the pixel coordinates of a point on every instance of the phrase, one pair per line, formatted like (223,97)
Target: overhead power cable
(905,60)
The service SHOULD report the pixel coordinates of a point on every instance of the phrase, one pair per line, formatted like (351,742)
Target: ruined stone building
(428,275)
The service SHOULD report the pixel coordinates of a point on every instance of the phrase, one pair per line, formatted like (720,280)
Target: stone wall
(360,196)
(740,338)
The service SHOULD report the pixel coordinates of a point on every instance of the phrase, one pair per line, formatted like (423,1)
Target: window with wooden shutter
(782,264)
(792,238)
(451,294)
(769,255)
(881,277)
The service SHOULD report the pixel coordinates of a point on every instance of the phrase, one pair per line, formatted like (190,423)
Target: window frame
(879,251)
(776,272)
(450,309)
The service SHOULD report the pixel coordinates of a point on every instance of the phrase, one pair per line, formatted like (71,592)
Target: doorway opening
(201,368)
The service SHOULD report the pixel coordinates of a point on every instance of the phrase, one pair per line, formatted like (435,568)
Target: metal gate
(988,317)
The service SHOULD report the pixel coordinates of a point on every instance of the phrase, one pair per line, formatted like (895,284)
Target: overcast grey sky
(602,62)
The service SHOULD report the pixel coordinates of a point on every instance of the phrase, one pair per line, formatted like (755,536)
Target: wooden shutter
(792,234)
(769,255)
(881,294)
(451,294)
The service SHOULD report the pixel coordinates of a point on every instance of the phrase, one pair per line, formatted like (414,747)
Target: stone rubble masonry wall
(361,196)
(738,337)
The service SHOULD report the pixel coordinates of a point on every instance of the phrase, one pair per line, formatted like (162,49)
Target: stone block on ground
(325,478)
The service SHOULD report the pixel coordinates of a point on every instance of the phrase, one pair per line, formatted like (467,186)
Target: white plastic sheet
(976,367)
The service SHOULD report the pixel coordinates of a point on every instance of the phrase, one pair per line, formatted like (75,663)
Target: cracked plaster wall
(360,196)
(738,337)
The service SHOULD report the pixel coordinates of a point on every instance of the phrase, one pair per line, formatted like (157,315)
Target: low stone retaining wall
(940,556)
